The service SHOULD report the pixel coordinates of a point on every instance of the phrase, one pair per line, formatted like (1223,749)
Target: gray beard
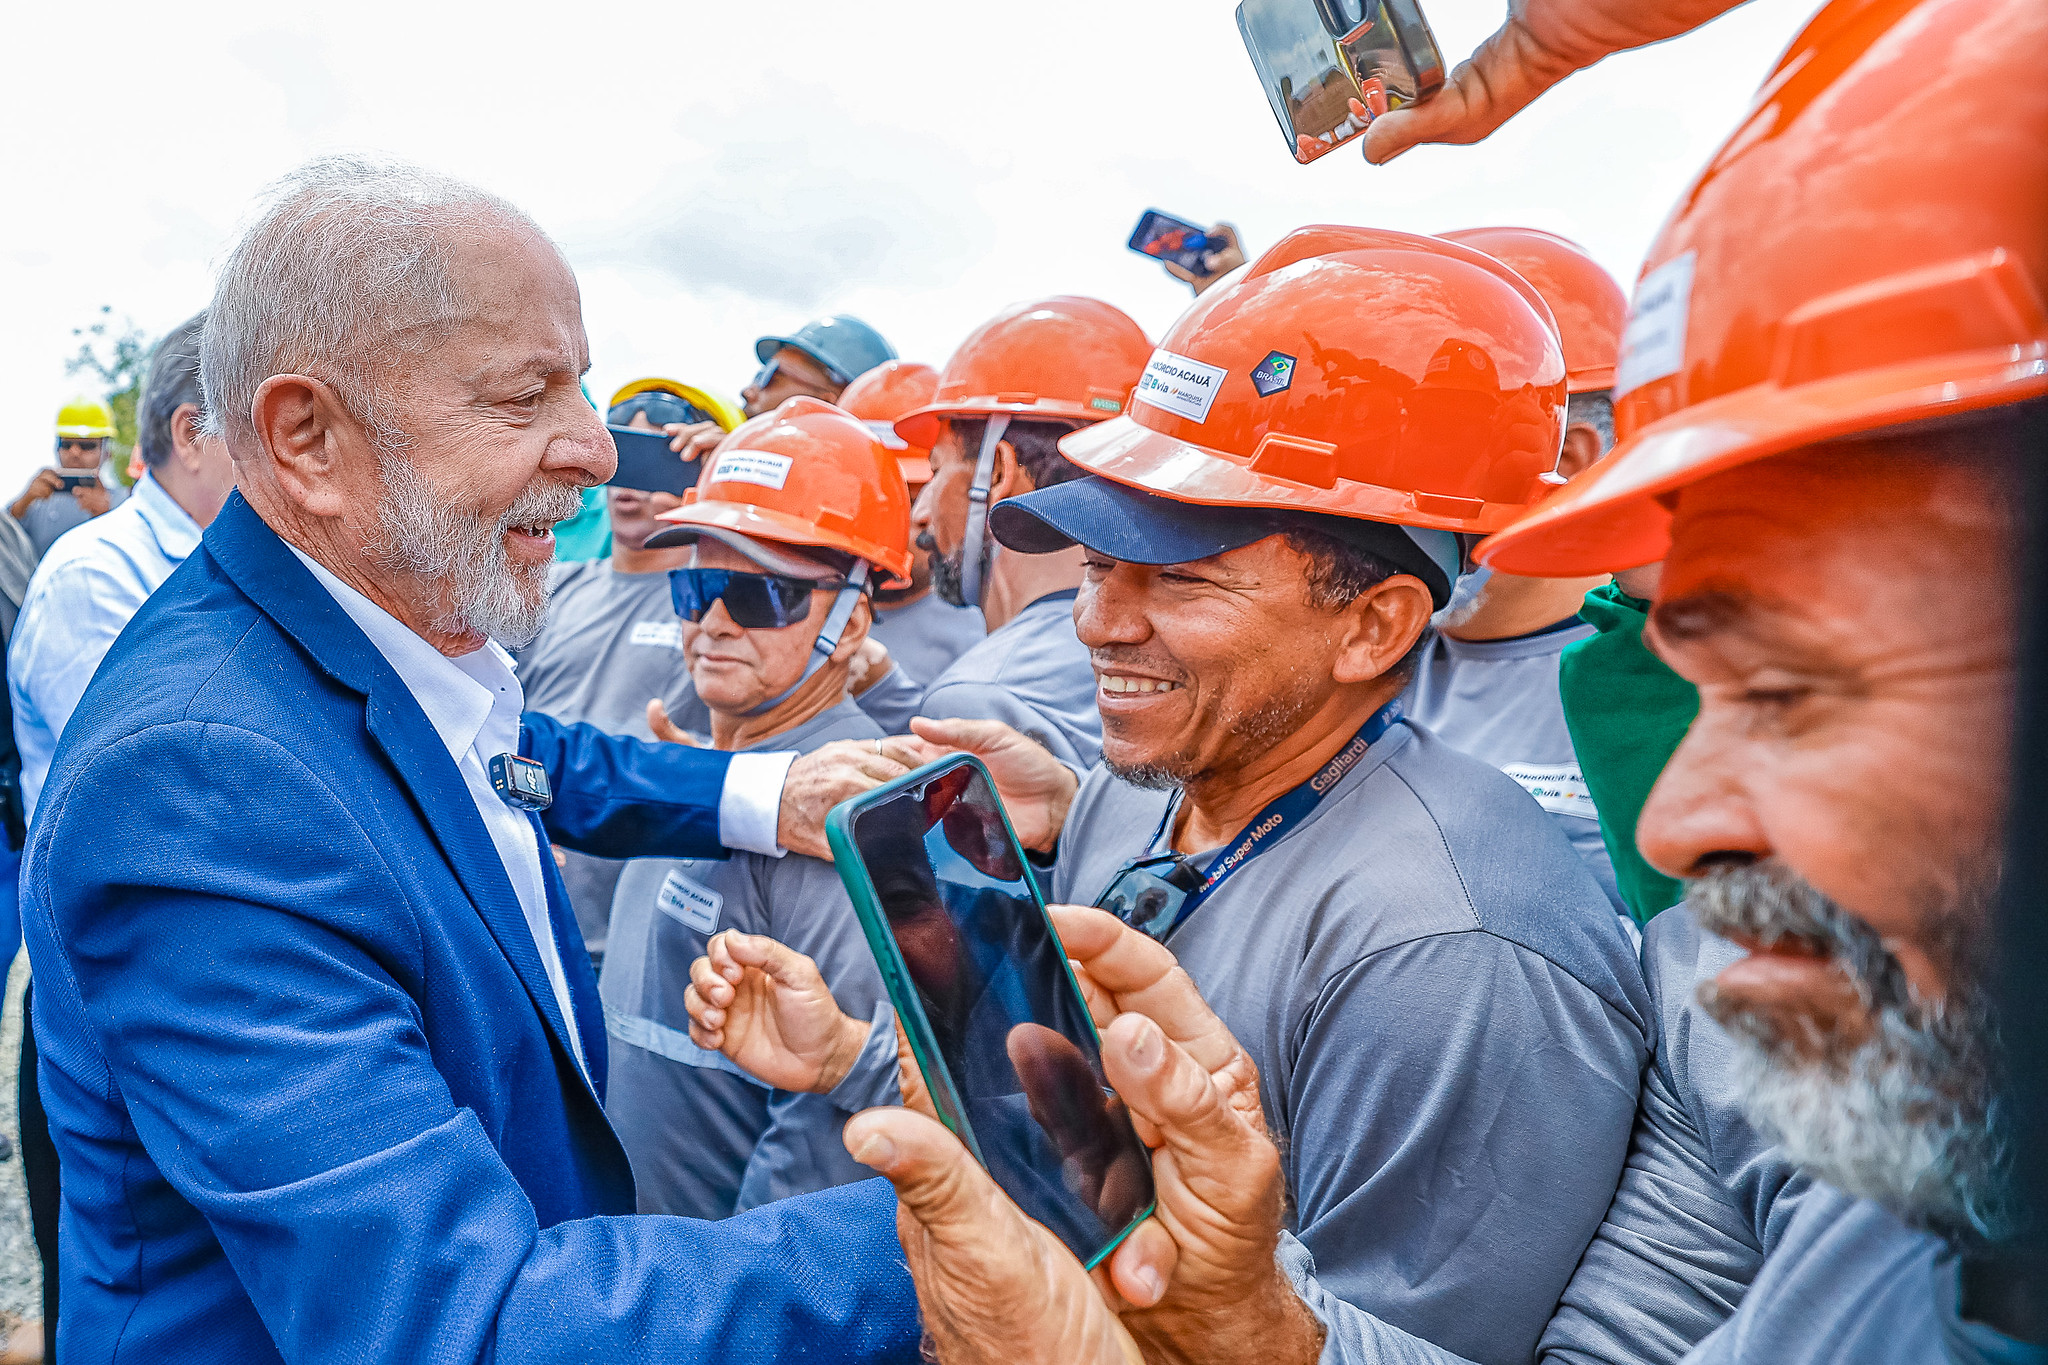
(1910,1116)
(421,534)
(1274,721)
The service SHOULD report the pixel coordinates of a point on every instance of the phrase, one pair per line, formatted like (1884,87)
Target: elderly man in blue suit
(323,1055)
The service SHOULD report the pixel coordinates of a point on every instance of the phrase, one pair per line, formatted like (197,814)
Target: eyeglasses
(1148,893)
(754,601)
(94,444)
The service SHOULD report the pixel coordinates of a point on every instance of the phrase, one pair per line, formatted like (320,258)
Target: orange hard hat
(1870,248)
(1066,357)
(806,474)
(1588,305)
(884,394)
(1353,371)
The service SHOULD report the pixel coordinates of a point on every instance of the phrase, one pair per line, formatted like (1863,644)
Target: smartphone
(1167,238)
(646,463)
(74,479)
(997,1023)
(1330,67)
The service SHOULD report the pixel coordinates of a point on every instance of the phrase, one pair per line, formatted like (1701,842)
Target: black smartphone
(74,479)
(646,463)
(1330,67)
(997,1023)
(1166,238)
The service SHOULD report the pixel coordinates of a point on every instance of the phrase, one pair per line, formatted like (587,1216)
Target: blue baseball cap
(847,347)
(1137,527)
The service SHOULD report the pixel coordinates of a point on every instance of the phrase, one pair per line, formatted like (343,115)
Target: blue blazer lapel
(271,576)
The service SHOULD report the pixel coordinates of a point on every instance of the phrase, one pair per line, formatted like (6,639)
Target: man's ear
(311,440)
(856,632)
(1581,448)
(185,437)
(1380,627)
(1008,477)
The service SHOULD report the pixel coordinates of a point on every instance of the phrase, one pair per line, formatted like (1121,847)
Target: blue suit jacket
(312,1093)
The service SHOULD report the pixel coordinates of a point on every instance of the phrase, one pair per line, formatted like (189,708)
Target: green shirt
(1626,711)
(588,534)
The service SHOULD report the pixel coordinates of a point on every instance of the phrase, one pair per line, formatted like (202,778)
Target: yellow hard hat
(721,409)
(85,419)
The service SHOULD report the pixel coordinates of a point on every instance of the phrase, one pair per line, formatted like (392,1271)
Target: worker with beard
(923,632)
(779,597)
(1021,381)
(1446,1016)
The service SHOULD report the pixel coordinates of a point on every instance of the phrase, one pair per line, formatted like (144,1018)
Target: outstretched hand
(1036,788)
(1540,43)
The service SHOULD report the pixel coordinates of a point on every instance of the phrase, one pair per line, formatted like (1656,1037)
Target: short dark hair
(1036,441)
(1339,574)
(1594,408)
(173,381)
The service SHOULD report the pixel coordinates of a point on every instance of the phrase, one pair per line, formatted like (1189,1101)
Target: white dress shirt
(474,704)
(79,600)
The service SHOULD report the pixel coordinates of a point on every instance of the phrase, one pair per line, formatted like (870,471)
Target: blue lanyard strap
(1270,825)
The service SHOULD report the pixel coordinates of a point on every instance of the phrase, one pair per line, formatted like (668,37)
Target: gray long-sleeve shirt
(705,1140)
(1034,676)
(925,637)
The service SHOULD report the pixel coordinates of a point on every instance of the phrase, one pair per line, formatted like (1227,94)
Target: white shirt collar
(175,531)
(459,696)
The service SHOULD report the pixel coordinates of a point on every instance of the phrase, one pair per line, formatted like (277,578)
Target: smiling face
(1848,617)
(498,446)
(1201,668)
(735,669)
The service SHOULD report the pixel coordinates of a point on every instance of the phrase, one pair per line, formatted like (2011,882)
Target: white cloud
(717,172)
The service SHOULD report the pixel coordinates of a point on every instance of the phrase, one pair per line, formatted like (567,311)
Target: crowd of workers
(1630,689)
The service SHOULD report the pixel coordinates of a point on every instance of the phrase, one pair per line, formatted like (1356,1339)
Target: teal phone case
(924,1044)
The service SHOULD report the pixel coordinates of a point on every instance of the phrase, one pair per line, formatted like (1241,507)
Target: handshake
(1196,1281)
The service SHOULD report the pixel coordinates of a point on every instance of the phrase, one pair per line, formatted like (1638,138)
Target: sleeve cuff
(750,806)
(872,1081)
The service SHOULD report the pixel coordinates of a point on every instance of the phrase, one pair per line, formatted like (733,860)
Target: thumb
(975,736)
(665,729)
(939,1182)
(784,964)
(1169,1089)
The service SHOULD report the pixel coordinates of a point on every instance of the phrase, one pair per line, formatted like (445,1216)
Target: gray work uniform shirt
(611,643)
(45,519)
(925,637)
(1497,700)
(1448,1021)
(704,1139)
(1034,676)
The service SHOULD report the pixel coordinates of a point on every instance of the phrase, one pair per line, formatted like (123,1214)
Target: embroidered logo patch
(1273,374)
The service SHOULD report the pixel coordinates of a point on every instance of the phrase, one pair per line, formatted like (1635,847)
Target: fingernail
(1149,1280)
(1147,1049)
(875,1151)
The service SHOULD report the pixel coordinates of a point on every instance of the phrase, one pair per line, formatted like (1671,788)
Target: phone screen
(1169,239)
(646,463)
(1022,1075)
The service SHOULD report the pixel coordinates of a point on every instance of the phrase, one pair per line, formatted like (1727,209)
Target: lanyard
(1273,823)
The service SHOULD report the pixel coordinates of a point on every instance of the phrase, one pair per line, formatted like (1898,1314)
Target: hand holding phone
(982,989)
(75,479)
(1330,67)
(647,463)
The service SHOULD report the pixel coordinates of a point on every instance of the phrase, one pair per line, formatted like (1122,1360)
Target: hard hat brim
(1615,515)
(79,433)
(921,427)
(722,409)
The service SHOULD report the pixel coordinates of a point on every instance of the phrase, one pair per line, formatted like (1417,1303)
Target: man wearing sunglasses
(818,360)
(1447,1018)
(58,499)
(779,602)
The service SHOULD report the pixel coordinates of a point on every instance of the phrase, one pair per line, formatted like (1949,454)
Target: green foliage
(118,360)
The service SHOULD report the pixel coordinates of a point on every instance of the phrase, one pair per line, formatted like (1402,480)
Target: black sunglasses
(754,601)
(81,443)
(1148,893)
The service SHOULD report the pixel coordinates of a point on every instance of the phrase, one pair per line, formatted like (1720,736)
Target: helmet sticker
(1274,374)
(1105,405)
(752,466)
(1653,344)
(1176,384)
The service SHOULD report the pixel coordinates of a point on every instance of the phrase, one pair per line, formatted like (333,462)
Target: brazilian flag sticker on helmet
(1273,374)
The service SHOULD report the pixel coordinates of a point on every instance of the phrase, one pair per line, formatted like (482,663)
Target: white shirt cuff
(750,807)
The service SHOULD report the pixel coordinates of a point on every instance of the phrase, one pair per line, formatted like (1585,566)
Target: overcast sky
(717,172)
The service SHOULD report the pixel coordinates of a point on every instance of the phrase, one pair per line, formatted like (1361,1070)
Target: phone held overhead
(981,984)
(1330,67)
(1166,238)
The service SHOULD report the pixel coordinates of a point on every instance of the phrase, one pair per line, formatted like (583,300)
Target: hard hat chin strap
(827,643)
(971,586)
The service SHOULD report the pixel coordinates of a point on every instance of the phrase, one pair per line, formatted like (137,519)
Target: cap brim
(1616,514)
(766,347)
(1120,521)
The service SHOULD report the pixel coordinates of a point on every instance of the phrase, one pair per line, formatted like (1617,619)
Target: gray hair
(173,381)
(344,272)
(1595,409)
